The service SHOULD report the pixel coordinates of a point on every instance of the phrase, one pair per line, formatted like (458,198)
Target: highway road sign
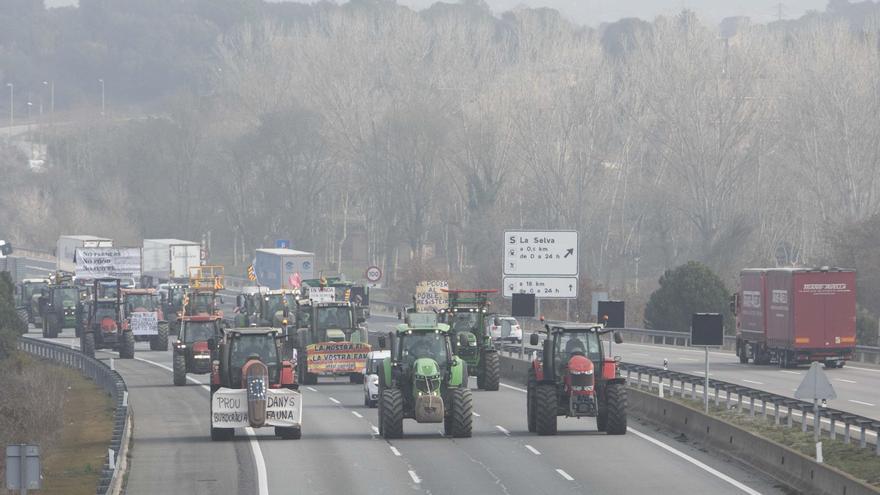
(374,274)
(815,385)
(529,252)
(542,287)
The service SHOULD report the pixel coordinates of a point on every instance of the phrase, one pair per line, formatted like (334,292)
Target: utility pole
(11,107)
(102,96)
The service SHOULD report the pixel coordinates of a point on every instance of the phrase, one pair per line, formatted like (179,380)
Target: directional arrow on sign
(569,252)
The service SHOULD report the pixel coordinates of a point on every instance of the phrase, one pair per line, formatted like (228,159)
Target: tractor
(201,297)
(423,379)
(346,291)
(28,298)
(58,303)
(195,346)
(330,341)
(575,379)
(265,308)
(105,327)
(144,316)
(172,295)
(252,386)
(466,315)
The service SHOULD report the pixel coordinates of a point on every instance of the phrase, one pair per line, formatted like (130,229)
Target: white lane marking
(477,415)
(415,477)
(860,402)
(375,429)
(394,450)
(259,462)
(752,381)
(357,414)
(312,389)
(38,268)
(334,400)
(533,450)
(844,381)
(789,372)
(861,369)
(511,387)
(564,475)
(688,359)
(502,430)
(262,478)
(695,462)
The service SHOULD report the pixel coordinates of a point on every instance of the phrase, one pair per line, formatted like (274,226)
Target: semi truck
(283,268)
(168,260)
(67,245)
(794,316)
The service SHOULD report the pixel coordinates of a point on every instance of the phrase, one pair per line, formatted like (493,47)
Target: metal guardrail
(111,381)
(832,420)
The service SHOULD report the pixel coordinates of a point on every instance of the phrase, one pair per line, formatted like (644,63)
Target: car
(371,377)
(505,328)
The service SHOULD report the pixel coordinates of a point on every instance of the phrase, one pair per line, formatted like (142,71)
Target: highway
(340,451)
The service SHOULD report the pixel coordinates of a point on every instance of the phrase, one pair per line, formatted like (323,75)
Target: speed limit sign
(374,274)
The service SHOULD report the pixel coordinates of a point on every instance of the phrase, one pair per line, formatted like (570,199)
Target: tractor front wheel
(160,341)
(87,344)
(459,422)
(126,346)
(545,409)
(616,405)
(491,371)
(530,400)
(179,369)
(392,413)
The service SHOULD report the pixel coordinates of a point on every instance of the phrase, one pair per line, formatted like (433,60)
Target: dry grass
(66,414)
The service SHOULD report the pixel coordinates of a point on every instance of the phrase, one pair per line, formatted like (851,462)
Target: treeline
(416,138)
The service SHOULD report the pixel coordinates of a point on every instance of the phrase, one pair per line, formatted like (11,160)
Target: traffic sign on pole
(553,252)
(374,274)
(542,287)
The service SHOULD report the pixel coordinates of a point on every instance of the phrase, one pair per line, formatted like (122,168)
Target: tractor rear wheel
(491,371)
(392,413)
(545,409)
(126,346)
(54,328)
(459,422)
(291,433)
(616,405)
(179,369)
(87,344)
(530,400)
(742,351)
(45,329)
(311,379)
(160,341)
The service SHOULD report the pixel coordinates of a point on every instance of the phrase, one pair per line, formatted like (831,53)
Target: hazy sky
(593,12)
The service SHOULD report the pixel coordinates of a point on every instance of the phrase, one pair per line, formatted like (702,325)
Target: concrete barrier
(788,466)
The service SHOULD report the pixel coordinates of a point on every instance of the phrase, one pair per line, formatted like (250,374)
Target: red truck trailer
(794,316)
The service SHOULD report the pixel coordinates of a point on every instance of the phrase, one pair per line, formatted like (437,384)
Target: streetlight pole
(51,86)
(11,107)
(102,96)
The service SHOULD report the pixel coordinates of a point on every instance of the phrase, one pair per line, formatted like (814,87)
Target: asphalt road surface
(341,452)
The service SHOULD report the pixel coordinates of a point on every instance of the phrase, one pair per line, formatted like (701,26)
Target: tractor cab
(201,297)
(243,344)
(466,316)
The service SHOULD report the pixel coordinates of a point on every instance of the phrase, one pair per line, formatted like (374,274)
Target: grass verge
(859,463)
(73,439)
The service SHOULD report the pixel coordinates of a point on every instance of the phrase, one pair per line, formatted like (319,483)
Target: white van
(371,377)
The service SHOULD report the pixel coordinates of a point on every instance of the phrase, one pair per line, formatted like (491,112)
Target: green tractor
(346,291)
(28,295)
(330,341)
(466,316)
(423,379)
(58,304)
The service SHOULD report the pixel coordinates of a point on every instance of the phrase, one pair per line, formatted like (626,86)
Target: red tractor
(144,317)
(253,386)
(195,345)
(105,327)
(575,379)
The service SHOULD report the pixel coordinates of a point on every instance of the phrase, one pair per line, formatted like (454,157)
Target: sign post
(815,386)
(23,468)
(707,330)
